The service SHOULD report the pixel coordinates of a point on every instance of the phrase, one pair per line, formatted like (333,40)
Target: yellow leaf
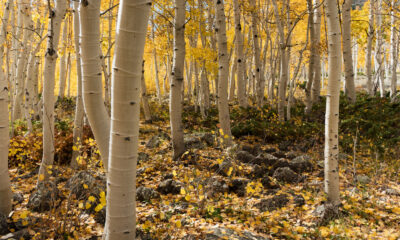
(99,207)
(200,187)
(174,173)
(24,214)
(102,194)
(91,199)
(183,192)
(75,148)
(347,206)
(324,231)
(80,205)
(41,177)
(85,186)
(300,229)
(229,171)
(187,197)
(88,205)
(396,210)
(178,223)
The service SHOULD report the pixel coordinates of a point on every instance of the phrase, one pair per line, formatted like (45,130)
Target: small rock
(266,159)
(245,157)
(254,150)
(193,142)
(290,155)
(225,166)
(238,186)
(286,174)
(268,184)
(215,186)
(273,203)
(257,171)
(392,192)
(363,179)
(140,171)
(270,150)
(280,163)
(3,224)
(299,200)
(145,194)
(169,186)
(18,197)
(208,138)
(45,197)
(326,212)
(284,146)
(153,142)
(143,157)
(279,154)
(301,164)
(81,184)
(168,176)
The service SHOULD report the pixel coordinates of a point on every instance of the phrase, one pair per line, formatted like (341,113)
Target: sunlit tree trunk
(241,84)
(26,32)
(347,51)
(92,90)
(5,185)
(316,87)
(177,79)
(232,81)
(79,111)
(56,17)
(256,51)
(145,100)
(223,71)
(379,56)
(368,55)
(393,50)
(332,105)
(63,61)
(155,61)
(121,182)
(311,64)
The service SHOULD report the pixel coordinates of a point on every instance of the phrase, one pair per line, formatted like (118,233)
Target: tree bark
(177,80)
(223,70)
(145,100)
(368,55)
(316,87)
(63,61)
(393,51)
(121,190)
(92,90)
(5,185)
(347,51)
(56,17)
(332,105)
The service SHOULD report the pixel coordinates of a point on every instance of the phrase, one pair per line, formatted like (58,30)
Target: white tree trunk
(79,111)
(223,71)
(5,185)
(316,87)
(92,90)
(56,17)
(393,50)
(175,108)
(241,80)
(145,100)
(380,49)
(347,51)
(259,79)
(155,61)
(121,183)
(332,104)
(368,55)
(232,81)
(63,61)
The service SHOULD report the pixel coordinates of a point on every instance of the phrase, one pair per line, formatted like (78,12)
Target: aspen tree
(311,64)
(56,16)
(63,61)
(157,79)
(92,90)
(368,55)
(241,84)
(145,100)
(121,183)
(393,49)
(332,104)
(380,52)
(347,51)
(316,87)
(79,111)
(175,108)
(223,69)
(5,185)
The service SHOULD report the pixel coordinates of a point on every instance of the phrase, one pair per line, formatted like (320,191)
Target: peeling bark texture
(79,111)
(223,71)
(92,90)
(347,51)
(331,180)
(56,16)
(5,185)
(121,191)
(175,108)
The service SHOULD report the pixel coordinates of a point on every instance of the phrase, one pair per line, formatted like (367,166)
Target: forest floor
(268,186)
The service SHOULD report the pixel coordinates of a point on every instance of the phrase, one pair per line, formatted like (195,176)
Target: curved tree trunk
(56,17)
(5,185)
(223,70)
(92,90)
(79,112)
(332,105)
(175,108)
(347,52)
(121,190)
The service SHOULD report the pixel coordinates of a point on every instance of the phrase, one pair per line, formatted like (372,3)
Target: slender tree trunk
(79,111)
(177,79)
(232,85)
(63,61)
(145,100)
(5,185)
(56,17)
(380,49)
(69,75)
(155,61)
(332,105)
(241,84)
(92,90)
(311,68)
(121,189)
(368,55)
(316,87)
(223,70)
(347,51)
(393,51)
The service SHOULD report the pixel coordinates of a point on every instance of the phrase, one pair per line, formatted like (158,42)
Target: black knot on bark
(85,3)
